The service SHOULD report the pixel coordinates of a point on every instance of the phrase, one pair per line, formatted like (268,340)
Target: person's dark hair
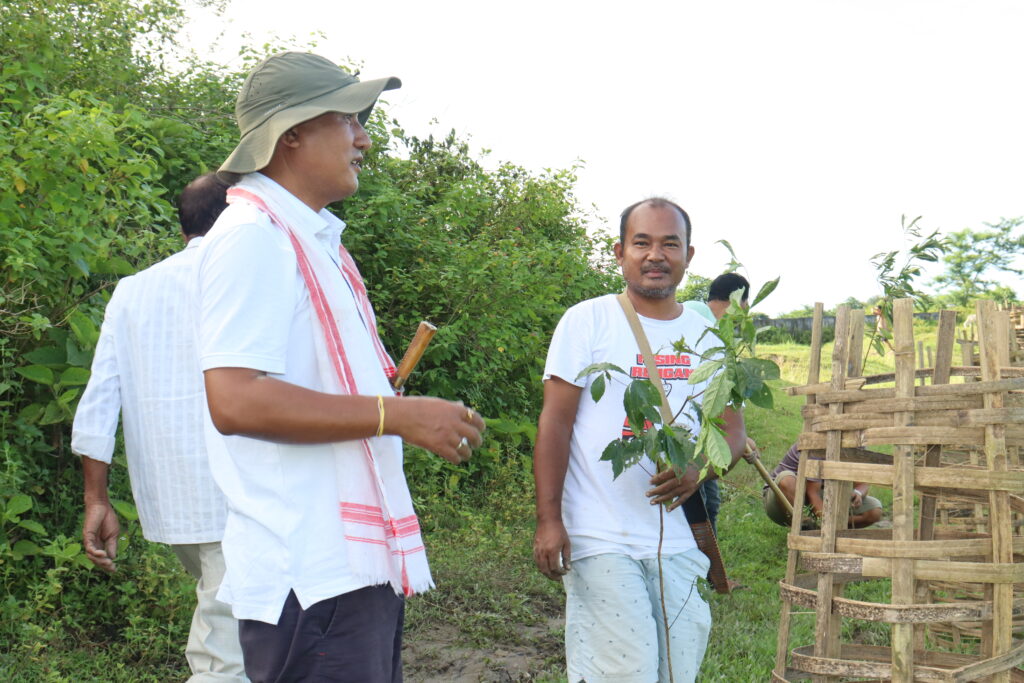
(725,284)
(657,203)
(200,203)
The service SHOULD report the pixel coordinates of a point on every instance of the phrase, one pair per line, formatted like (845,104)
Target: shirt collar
(193,242)
(322,225)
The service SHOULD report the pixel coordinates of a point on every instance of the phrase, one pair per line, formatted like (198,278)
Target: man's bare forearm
(94,474)
(550,463)
(249,403)
(551,452)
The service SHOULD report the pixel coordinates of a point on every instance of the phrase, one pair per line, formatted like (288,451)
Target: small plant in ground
(899,283)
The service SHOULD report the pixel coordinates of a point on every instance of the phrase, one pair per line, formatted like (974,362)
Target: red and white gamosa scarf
(381,529)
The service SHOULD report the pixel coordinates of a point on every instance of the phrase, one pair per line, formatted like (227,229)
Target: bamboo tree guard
(966,511)
(941,577)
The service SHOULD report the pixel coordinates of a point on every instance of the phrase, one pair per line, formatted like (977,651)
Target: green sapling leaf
(677,446)
(745,382)
(704,371)
(651,445)
(614,453)
(726,330)
(747,331)
(633,401)
(763,398)
(766,289)
(652,414)
(725,243)
(599,367)
(718,452)
(597,388)
(716,397)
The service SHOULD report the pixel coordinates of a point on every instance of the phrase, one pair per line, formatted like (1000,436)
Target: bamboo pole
(793,556)
(997,634)
(940,375)
(933,455)
(920,357)
(903,492)
(837,503)
(750,455)
(855,368)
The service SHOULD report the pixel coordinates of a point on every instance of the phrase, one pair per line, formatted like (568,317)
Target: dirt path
(435,656)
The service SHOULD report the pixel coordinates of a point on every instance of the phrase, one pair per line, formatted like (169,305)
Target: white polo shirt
(284,531)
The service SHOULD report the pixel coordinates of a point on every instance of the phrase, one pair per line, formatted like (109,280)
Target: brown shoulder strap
(694,508)
(648,355)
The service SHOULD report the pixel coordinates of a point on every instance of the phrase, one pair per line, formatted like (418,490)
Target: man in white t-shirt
(598,534)
(146,369)
(305,433)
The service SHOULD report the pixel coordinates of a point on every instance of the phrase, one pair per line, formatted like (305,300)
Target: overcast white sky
(799,130)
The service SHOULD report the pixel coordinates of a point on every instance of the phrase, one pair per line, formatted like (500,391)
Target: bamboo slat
(932,477)
(951,567)
(785,615)
(935,549)
(827,629)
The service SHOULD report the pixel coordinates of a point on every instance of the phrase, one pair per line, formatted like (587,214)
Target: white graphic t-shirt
(602,514)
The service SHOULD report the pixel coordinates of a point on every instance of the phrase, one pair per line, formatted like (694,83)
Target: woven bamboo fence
(948,450)
(1015,330)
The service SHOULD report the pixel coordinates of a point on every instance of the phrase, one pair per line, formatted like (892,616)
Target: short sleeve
(570,351)
(245,289)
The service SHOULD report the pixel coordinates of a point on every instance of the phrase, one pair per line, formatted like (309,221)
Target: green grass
(490,591)
(490,598)
(794,359)
(745,623)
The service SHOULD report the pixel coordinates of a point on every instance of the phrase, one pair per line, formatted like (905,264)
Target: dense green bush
(96,140)
(493,258)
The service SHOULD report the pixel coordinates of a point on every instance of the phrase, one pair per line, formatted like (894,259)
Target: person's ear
(290,138)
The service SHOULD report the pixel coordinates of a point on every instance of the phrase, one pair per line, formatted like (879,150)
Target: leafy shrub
(96,140)
(492,258)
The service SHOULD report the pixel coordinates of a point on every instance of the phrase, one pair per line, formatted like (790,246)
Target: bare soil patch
(439,655)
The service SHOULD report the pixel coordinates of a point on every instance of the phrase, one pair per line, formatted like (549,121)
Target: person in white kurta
(146,369)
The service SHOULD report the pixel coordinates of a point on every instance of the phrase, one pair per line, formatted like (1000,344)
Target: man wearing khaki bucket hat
(304,432)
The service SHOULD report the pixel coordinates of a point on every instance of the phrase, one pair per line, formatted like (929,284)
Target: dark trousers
(712,501)
(355,637)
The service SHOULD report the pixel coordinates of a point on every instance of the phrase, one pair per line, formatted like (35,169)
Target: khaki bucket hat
(286,89)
